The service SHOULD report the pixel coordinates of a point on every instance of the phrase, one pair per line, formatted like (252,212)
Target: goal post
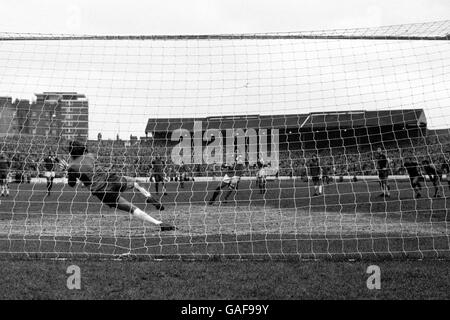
(327,144)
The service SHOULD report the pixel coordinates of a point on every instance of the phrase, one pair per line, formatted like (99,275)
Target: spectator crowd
(133,158)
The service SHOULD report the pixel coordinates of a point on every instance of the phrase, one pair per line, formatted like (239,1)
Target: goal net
(325,144)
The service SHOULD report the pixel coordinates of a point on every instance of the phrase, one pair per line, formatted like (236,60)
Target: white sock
(320,189)
(138,213)
(142,190)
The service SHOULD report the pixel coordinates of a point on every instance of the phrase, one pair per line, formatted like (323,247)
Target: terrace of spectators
(345,143)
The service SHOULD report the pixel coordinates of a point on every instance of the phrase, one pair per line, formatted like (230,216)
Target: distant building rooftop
(59,95)
(311,121)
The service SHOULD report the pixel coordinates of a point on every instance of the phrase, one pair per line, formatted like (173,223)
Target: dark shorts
(383,174)
(3,177)
(157,177)
(415,181)
(109,194)
(315,180)
(262,182)
(435,180)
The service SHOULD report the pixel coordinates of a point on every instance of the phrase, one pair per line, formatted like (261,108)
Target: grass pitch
(286,280)
(346,230)
(349,221)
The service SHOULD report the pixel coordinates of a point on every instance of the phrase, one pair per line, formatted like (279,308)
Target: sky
(127,82)
(212,16)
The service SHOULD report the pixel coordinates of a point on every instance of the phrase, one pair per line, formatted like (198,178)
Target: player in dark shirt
(432,173)
(415,177)
(50,162)
(383,172)
(108,186)
(182,174)
(157,176)
(230,180)
(5,166)
(315,172)
(326,175)
(445,168)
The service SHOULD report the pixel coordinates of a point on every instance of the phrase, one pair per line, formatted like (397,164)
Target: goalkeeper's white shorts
(49,174)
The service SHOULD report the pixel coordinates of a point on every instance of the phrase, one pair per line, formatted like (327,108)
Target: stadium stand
(344,142)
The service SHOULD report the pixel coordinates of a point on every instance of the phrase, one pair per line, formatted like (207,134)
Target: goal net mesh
(236,119)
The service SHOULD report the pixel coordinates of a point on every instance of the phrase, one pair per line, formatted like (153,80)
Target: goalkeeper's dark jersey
(412,168)
(50,163)
(94,177)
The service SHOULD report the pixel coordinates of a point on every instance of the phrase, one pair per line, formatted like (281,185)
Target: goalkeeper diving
(107,186)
